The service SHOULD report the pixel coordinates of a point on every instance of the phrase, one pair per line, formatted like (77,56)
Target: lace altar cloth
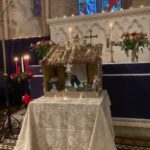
(70,124)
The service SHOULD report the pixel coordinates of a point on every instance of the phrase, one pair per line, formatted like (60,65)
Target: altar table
(67,124)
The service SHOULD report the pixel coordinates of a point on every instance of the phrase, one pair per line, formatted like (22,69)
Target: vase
(134,57)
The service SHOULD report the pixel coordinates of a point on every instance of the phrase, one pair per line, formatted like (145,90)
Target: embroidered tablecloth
(67,124)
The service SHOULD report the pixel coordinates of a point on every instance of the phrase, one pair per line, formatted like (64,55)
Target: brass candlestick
(111,52)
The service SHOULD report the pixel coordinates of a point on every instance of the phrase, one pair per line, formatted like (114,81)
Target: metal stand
(7,118)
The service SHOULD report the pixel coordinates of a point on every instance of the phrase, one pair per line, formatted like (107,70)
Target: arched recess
(77,31)
(117,31)
(135,26)
(100,32)
(62,36)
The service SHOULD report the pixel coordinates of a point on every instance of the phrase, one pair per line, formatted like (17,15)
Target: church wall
(0,18)
(22,21)
(60,8)
(138,3)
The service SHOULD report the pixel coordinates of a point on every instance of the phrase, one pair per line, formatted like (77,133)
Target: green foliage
(134,42)
(41,48)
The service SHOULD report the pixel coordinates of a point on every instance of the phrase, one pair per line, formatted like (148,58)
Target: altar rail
(123,21)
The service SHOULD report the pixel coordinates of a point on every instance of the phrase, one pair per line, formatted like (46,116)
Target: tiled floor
(121,143)
(8,144)
(132,144)
(127,144)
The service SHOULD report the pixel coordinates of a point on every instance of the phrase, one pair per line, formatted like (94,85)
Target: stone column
(44,16)
(4,19)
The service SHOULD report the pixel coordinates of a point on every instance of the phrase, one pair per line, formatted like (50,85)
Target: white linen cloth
(70,124)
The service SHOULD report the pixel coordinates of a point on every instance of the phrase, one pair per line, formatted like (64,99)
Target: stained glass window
(111,5)
(87,7)
(37,7)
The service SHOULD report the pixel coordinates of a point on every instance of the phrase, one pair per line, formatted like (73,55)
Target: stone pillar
(44,16)
(4,19)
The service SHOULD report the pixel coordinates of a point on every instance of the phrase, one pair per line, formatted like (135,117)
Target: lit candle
(22,64)
(26,59)
(70,33)
(16,62)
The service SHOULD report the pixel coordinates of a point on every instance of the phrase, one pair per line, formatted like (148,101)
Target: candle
(111,25)
(70,34)
(22,64)
(16,62)
(26,59)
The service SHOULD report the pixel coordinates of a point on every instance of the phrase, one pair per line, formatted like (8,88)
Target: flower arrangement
(134,42)
(41,48)
(21,76)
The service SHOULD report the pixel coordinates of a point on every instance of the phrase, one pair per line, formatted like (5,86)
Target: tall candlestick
(22,64)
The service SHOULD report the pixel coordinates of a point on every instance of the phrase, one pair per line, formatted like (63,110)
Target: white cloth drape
(72,124)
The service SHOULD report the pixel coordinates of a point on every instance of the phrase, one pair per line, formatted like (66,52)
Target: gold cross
(90,36)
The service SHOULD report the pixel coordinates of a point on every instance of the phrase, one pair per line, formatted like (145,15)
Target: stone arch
(62,36)
(117,31)
(135,26)
(77,31)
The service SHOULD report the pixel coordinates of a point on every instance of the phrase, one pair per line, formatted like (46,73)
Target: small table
(70,124)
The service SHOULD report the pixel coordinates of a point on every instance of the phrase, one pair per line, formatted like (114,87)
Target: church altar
(52,123)
(130,20)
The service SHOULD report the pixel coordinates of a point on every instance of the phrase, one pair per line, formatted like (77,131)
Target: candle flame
(111,25)
(16,59)
(70,29)
(26,57)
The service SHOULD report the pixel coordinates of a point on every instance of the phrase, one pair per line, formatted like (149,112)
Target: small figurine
(96,82)
(68,83)
(68,68)
(54,84)
(74,81)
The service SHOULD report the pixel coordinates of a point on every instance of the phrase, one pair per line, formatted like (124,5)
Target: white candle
(70,34)
(111,25)
(22,64)
(26,58)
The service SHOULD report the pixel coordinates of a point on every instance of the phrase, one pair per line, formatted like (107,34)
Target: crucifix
(90,36)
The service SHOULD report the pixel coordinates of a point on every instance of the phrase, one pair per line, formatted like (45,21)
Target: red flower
(134,34)
(12,76)
(36,45)
(26,99)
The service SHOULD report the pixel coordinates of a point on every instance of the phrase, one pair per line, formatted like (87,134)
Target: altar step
(132,128)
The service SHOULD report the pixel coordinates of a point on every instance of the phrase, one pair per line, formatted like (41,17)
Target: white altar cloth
(70,124)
